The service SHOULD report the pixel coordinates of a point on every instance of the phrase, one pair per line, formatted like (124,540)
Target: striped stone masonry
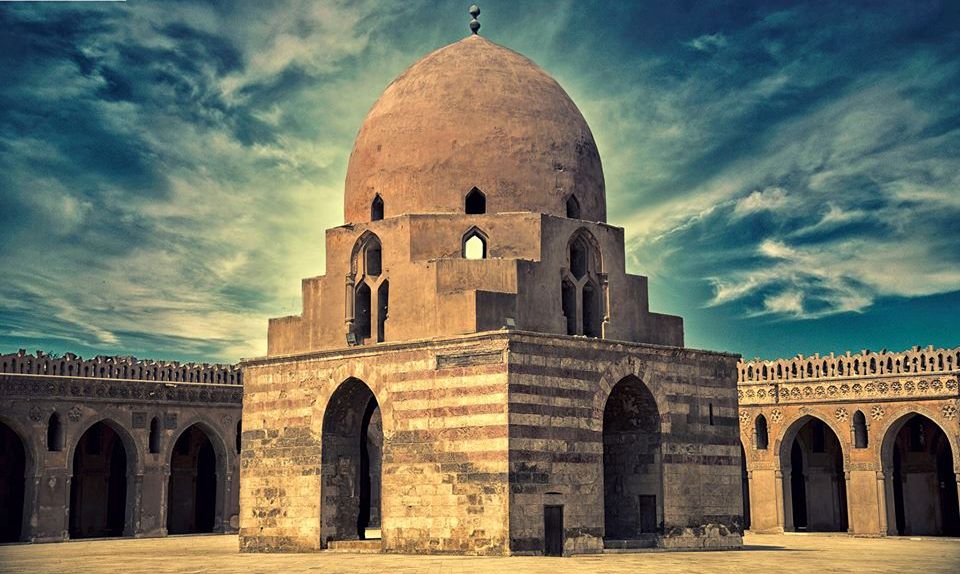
(480,432)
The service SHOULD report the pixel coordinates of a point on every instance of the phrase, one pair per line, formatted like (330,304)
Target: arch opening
(475,203)
(569,305)
(54,433)
(573,207)
(474,246)
(632,470)
(921,483)
(154,439)
(351,463)
(361,320)
(815,490)
(591,311)
(98,488)
(192,488)
(860,438)
(376,208)
(13,466)
(761,435)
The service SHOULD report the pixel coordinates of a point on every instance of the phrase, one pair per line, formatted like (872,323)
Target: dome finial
(474,24)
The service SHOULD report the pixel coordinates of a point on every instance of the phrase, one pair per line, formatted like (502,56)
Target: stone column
(132,521)
(51,513)
(864,496)
(766,501)
(153,502)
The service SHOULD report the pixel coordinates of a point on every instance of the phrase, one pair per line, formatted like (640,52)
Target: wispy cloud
(168,169)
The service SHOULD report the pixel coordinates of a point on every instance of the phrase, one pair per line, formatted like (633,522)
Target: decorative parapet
(914,374)
(866,364)
(88,388)
(118,368)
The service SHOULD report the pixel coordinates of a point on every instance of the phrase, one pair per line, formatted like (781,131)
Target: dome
(474,115)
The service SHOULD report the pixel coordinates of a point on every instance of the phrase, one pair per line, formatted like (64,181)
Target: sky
(787,173)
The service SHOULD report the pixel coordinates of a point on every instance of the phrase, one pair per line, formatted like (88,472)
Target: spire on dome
(474,24)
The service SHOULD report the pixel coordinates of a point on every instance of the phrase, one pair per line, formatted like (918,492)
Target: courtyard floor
(763,553)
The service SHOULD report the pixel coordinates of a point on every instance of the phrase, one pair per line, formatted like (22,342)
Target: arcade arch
(13,467)
(920,479)
(814,484)
(101,493)
(194,485)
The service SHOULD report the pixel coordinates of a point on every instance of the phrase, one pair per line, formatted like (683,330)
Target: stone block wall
(32,399)
(479,433)
(558,392)
(444,467)
(873,395)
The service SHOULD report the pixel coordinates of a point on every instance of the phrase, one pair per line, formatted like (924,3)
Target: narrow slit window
(154,435)
(54,433)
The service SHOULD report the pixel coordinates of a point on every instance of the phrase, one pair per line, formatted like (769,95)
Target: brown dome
(474,114)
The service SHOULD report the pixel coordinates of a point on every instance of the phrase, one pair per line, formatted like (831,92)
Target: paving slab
(218,554)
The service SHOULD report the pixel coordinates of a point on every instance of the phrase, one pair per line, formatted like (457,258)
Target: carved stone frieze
(889,389)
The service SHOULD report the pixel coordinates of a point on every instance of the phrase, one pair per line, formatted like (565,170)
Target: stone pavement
(218,553)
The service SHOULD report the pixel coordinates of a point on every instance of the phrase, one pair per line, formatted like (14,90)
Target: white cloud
(708,42)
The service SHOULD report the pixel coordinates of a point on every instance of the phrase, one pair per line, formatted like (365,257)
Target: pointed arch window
(383,304)
(362,312)
(761,435)
(54,433)
(366,280)
(376,208)
(583,287)
(573,207)
(475,203)
(154,441)
(373,259)
(474,244)
(860,438)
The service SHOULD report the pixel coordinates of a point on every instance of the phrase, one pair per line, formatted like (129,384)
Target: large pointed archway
(193,488)
(99,486)
(814,484)
(13,466)
(352,450)
(921,484)
(632,471)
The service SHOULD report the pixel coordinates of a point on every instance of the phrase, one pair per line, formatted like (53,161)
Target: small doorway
(553,530)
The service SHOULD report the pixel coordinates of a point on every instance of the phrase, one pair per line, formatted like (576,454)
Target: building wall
(127,406)
(479,432)
(887,388)
(558,390)
(436,292)
(444,466)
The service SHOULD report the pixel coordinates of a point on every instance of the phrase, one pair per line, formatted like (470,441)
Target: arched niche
(351,463)
(632,465)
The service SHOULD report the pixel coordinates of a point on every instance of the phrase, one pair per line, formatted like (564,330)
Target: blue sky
(788,173)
